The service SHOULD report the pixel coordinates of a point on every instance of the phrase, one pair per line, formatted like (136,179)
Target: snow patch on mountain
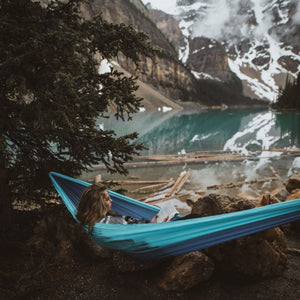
(266,87)
(201,75)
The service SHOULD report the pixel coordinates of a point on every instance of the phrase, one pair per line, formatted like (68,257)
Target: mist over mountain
(258,40)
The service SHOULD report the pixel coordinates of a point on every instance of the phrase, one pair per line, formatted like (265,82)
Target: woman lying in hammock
(95,206)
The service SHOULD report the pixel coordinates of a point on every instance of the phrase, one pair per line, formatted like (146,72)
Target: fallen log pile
(162,190)
(236,184)
(169,189)
(174,190)
(158,187)
(174,187)
(279,150)
(179,184)
(166,160)
(196,157)
(277,175)
(155,201)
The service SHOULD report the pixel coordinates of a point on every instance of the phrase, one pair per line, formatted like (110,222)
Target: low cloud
(229,19)
(221,20)
(296,16)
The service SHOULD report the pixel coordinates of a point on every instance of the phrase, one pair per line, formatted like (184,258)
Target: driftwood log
(174,187)
(196,157)
(240,183)
(139,181)
(183,181)
(154,201)
(280,150)
(277,175)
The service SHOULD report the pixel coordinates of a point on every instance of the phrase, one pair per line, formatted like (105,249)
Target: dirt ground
(27,273)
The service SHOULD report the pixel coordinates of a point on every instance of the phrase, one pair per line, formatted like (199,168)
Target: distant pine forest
(289,97)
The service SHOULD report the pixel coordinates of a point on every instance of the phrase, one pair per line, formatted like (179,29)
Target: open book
(167,210)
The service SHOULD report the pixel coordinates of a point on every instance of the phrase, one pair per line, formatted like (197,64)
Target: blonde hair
(92,208)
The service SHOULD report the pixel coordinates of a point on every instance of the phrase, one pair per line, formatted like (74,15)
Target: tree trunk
(5,202)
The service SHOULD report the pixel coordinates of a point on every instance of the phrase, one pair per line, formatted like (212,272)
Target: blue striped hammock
(159,240)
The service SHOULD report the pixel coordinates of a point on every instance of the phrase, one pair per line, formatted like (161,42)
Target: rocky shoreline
(50,257)
(69,274)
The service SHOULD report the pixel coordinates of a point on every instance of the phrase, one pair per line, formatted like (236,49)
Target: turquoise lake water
(240,131)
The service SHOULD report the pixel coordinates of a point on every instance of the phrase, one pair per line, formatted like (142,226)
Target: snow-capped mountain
(258,40)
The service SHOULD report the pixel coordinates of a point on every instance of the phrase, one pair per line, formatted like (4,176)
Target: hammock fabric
(159,240)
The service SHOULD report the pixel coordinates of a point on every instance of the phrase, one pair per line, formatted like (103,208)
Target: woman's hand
(154,219)
(166,219)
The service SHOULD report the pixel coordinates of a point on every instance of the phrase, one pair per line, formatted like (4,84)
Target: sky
(168,6)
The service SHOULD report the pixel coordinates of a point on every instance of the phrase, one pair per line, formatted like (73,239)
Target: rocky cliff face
(203,56)
(165,72)
(167,75)
(169,26)
(210,57)
(130,12)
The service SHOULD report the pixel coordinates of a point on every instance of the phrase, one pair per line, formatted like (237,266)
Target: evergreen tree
(51,94)
(289,96)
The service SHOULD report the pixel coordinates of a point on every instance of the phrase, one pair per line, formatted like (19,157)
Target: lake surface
(236,130)
(244,131)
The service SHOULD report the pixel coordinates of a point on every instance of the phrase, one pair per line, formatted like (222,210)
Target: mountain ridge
(164,73)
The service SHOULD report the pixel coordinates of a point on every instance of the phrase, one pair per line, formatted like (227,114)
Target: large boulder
(59,236)
(88,247)
(125,263)
(293,187)
(56,225)
(186,271)
(293,183)
(41,245)
(65,252)
(215,204)
(280,194)
(52,234)
(257,255)
(295,194)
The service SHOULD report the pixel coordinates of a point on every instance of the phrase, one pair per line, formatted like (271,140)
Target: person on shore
(95,206)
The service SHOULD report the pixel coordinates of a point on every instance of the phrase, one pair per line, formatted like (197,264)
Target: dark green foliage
(289,123)
(235,83)
(289,97)
(51,92)
(222,94)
